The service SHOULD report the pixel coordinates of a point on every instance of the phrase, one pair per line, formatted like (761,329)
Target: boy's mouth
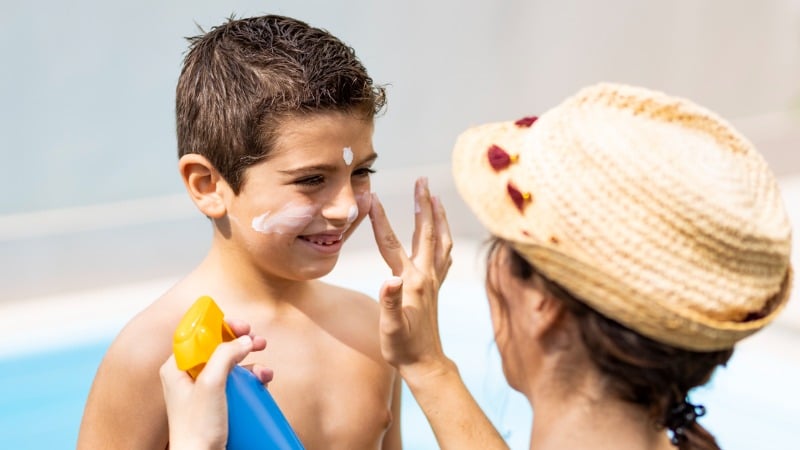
(323,239)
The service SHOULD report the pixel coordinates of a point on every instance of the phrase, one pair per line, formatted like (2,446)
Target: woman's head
(654,376)
(649,228)
(651,209)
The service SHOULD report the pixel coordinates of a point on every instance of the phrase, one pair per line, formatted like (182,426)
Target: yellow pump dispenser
(199,332)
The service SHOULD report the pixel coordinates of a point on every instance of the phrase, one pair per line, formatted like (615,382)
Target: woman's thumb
(225,357)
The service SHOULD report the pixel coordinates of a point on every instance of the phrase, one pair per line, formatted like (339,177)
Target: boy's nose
(342,209)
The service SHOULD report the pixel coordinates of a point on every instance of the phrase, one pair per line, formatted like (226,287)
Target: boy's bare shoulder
(146,340)
(125,405)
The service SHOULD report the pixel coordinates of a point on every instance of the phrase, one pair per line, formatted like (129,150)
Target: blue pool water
(42,396)
(753,403)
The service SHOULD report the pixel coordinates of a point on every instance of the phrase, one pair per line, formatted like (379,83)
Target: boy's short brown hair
(242,77)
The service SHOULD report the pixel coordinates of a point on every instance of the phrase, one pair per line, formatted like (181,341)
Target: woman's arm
(409,326)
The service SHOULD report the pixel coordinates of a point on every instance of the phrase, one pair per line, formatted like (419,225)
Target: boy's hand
(409,325)
(197,410)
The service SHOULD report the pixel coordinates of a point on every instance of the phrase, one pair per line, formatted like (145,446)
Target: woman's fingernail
(245,341)
(394,281)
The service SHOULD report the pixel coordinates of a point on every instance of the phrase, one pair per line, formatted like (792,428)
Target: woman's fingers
(394,325)
(264,374)
(444,240)
(424,241)
(389,246)
(392,319)
(241,328)
(171,376)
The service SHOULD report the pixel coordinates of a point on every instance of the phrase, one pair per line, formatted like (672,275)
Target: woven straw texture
(649,208)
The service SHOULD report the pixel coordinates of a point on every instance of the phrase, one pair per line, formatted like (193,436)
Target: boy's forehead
(323,129)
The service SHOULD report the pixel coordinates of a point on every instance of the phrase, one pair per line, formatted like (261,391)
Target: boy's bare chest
(330,382)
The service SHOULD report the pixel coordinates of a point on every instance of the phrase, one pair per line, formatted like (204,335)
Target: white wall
(87,86)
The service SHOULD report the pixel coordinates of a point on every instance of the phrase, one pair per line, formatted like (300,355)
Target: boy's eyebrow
(327,167)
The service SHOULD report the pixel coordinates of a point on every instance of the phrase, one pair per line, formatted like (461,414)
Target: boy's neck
(226,273)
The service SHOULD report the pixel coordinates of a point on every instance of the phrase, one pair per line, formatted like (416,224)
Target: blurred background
(94,222)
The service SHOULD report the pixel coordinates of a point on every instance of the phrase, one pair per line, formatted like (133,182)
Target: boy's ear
(204,184)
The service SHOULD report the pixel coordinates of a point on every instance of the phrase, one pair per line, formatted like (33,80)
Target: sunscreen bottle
(254,419)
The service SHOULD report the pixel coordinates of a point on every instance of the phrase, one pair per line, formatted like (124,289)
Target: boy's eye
(311,180)
(363,172)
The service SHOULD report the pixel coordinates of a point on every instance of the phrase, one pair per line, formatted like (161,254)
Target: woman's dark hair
(641,371)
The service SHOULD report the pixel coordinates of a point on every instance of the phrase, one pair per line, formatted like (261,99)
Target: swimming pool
(753,403)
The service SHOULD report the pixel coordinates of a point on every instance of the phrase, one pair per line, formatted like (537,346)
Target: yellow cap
(200,331)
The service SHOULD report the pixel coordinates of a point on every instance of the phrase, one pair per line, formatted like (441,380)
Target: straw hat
(651,209)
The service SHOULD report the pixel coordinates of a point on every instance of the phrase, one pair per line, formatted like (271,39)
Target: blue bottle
(254,419)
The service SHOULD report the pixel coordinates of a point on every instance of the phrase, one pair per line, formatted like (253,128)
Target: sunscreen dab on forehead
(292,218)
(347,154)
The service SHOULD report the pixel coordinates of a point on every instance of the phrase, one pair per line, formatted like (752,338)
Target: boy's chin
(319,269)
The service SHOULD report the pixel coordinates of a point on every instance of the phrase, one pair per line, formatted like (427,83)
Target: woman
(637,238)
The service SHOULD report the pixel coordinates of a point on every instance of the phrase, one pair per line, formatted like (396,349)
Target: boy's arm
(125,408)
(392,440)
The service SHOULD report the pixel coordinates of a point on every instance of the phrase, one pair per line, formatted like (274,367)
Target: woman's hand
(197,410)
(409,326)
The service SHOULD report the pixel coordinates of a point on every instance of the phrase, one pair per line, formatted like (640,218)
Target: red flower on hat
(526,121)
(519,198)
(500,159)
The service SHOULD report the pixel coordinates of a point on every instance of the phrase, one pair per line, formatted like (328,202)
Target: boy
(274,125)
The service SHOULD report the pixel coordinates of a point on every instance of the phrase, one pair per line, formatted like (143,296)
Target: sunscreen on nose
(253,415)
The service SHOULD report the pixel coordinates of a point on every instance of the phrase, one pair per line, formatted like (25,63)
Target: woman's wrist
(195,442)
(428,373)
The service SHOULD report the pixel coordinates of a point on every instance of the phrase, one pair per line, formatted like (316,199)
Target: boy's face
(298,206)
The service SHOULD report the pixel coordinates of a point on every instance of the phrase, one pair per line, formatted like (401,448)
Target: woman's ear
(546,311)
(204,184)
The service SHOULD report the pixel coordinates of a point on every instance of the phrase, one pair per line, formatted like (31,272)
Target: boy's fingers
(391,299)
(424,240)
(389,246)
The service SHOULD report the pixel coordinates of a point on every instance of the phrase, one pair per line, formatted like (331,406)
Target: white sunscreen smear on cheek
(289,219)
(347,154)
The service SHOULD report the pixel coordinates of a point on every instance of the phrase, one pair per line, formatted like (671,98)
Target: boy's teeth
(321,241)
